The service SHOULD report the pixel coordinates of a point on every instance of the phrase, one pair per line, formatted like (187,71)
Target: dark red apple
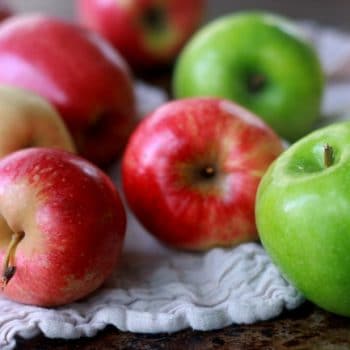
(79,73)
(148,33)
(191,172)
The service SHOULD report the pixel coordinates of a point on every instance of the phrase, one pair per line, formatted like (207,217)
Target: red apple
(28,120)
(79,73)
(62,226)
(191,171)
(146,32)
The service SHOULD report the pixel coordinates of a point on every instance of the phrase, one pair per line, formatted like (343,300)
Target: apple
(62,226)
(148,33)
(191,169)
(28,120)
(79,73)
(260,61)
(302,213)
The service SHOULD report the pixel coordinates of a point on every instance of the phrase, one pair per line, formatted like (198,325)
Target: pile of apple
(62,221)
(65,89)
(190,169)
(303,201)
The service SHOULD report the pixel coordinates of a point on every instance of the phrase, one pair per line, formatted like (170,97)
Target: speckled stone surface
(307,327)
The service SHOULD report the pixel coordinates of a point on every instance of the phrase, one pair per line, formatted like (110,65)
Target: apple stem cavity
(327,155)
(256,82)
(8,265)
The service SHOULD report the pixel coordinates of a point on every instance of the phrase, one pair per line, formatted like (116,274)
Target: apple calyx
(154,19)
(327,155)
(207,172)
(9,268)
(256,83)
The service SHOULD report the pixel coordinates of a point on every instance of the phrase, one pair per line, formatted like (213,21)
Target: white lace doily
(160,290)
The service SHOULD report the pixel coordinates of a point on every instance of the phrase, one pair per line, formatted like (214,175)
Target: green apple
(303,216)
(261,61)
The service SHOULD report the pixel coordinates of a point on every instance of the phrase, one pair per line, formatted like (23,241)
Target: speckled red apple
(62,226)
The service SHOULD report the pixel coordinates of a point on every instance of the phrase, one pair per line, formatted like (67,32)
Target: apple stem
(8,267)
(256,82)
(327,155)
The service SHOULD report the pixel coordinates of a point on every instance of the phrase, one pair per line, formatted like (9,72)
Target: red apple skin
(79,73)
(164,176)
(73,220)
(124,24)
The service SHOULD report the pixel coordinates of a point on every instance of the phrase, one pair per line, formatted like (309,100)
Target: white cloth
(160,290)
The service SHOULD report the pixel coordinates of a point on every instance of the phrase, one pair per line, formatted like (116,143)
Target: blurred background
(334,13)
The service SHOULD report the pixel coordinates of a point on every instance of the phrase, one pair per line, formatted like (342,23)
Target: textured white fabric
(160,290)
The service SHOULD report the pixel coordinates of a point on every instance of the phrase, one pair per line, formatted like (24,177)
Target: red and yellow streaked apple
(191,170)
(62,226)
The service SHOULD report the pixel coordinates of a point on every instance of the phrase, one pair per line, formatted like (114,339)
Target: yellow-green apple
(302,213)
(62,226)
(148,33)
(28,120)
(259,60)
(191,169)
(79,73)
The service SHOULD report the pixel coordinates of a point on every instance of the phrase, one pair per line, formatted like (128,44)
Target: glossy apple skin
(225,57)
(79,73)
(163,177)
(28,120)
(302,213)
(73,220)
(148,33)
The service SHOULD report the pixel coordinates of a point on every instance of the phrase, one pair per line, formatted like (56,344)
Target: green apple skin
(230,56)
(303,217)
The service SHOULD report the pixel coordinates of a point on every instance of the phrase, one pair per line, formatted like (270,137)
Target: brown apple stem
(9,269)
(256,82)
(327,155)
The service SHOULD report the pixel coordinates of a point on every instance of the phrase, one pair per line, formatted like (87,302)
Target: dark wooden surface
(307,327)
